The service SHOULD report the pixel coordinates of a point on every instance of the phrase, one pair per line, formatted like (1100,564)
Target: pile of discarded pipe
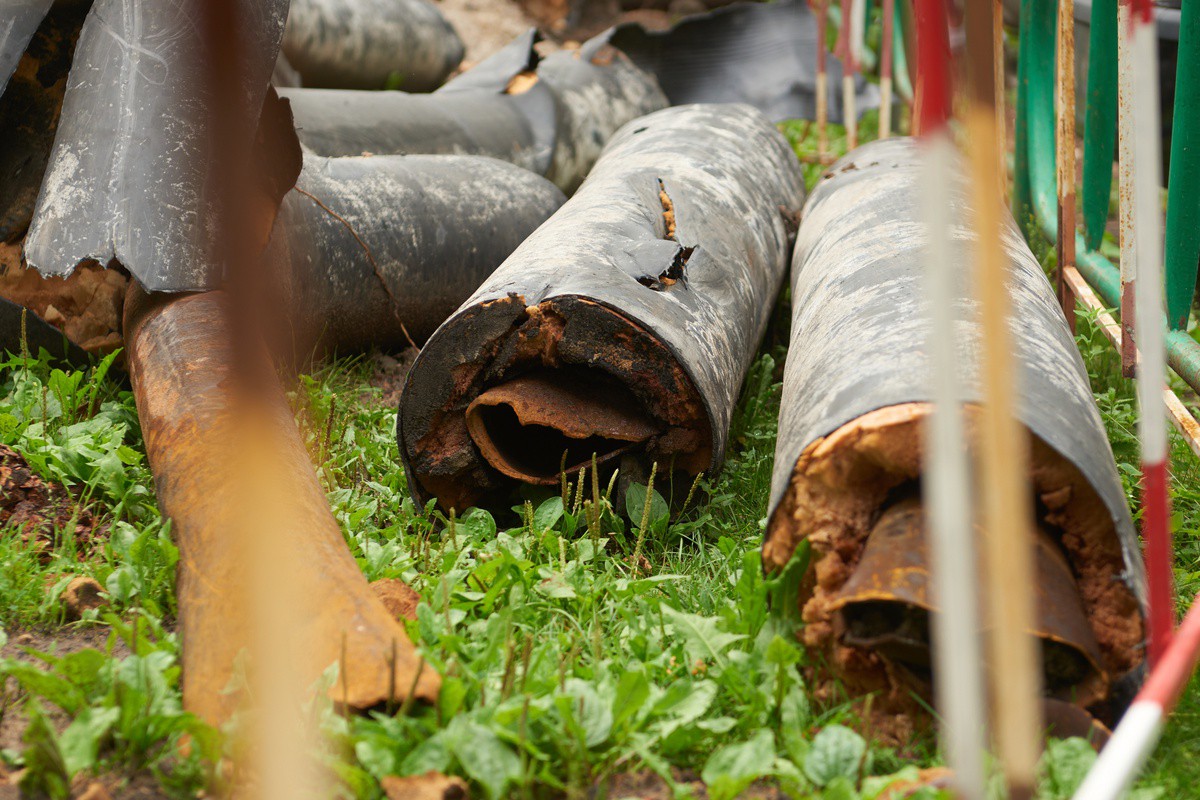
(847,475)
(612,328)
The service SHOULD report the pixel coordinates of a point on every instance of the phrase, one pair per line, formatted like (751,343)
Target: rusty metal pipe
(885,605)
(630,316)
(181,359)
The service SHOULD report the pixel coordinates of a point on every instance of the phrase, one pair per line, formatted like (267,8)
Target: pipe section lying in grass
(551,115)
(855,400)
(379,251)
(366,44)
(181,359)
(622,327)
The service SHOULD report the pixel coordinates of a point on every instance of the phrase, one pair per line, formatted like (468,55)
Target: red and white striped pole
(957,645)
(1140,728)
(1147,234)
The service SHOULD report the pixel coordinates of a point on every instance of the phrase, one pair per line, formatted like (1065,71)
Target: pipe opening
(899,632)
(524,426)
(885,605)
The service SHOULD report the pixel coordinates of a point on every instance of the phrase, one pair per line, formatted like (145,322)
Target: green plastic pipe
(1100,122)
(1183,187)
(900,79)
(1034,183)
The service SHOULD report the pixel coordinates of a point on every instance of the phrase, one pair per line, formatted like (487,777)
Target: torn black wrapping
(764,54)
(126,179)
(362,44)
(376,250)
(21,327)
(35,56)
(572,303)
(554,124)
(859,330)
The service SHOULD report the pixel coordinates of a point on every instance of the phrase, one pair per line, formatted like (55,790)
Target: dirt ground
(485,25)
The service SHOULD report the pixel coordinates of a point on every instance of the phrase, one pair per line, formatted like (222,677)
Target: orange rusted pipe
(181,360)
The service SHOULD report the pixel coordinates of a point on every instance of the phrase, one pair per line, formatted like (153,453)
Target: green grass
(577,641)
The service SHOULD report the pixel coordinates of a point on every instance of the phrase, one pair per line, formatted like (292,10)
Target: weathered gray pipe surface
(382,248)
(127,175)
(360,44)
(857,390)
(551,115)
(764,54)
(628,320)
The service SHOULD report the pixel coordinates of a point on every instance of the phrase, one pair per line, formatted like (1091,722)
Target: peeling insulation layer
(604,301)
(17,322)
(362,268)
(551,115)
(363,44)
(126,178)
(855,397)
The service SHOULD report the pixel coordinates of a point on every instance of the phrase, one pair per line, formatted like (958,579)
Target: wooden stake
(1007,513)
(1065,154)
(885,70)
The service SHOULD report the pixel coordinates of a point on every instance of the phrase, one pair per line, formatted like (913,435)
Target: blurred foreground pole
(849,42)
(281,741)
(885,70)
(1146,175)
(822,10)
(958,661)
(1007,513)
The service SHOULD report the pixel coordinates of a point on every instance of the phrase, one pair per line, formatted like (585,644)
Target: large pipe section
(623,327)
(848,458)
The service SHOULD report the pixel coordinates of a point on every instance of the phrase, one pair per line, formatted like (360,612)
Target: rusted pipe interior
(884,606)
(540,424)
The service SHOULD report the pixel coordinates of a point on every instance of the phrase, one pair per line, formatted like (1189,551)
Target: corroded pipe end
(536,426)
(885,604)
